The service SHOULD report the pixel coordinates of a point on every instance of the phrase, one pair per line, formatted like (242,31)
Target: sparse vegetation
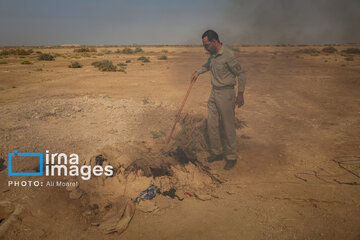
(105,66)
(163,57)
(46,57)
(16,51)
(143,59)
(75,65)
(349,58)
(121,69)
(84,49)
(164,51)
(138,50)
(128,61)
(308,51)
(351,51)
(329,49)
(38,69)
(122,64)
(157,134)
(127,51)
(26,62)
(106,51)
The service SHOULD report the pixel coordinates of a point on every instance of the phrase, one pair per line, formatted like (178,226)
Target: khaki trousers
(221,113)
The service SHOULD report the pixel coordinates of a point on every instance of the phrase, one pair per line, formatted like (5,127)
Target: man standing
(224,67)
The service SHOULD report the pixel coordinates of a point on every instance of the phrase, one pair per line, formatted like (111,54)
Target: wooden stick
(180,110)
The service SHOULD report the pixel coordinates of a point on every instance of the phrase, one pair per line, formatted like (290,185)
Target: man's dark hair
(211,35)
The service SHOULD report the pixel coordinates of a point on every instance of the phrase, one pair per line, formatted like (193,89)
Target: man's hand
(240,99)
(194,76)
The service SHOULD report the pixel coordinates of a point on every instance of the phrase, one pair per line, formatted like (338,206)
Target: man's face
(209,46)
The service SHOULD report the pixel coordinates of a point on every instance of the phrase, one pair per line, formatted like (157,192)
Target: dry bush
(349,58)
(46,57)
(329,49)
(75,65)
(351,51)
(84,49)
(16,51)
(308,51)
(138,50)
(163,57)
(127,50)
(143,59)
(105,66)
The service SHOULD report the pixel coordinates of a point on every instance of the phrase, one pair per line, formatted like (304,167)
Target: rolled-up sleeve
(204,68)
(237,70)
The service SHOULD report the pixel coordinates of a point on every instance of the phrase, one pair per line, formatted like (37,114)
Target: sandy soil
(301,112)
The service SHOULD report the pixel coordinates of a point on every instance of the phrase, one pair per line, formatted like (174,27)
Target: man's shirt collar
(220,51)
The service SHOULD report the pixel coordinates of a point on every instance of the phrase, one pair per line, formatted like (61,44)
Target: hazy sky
(110,22)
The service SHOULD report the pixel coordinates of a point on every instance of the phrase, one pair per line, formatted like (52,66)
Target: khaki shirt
(224,68)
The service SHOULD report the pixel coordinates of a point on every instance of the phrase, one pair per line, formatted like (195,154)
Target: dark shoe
(229,164)
(214,158)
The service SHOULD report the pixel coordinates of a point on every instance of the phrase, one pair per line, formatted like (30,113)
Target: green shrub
(75,65)
(163,57)
(351,51)
(127,50)
(105,66)
(85,55)
(46,57)
(122,64)
(2,62)
(329,49)
(77,56)
(143,59)
(138,50)
(26,62)
(128,61)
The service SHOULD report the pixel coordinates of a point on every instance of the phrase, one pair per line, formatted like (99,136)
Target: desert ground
(298,133)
